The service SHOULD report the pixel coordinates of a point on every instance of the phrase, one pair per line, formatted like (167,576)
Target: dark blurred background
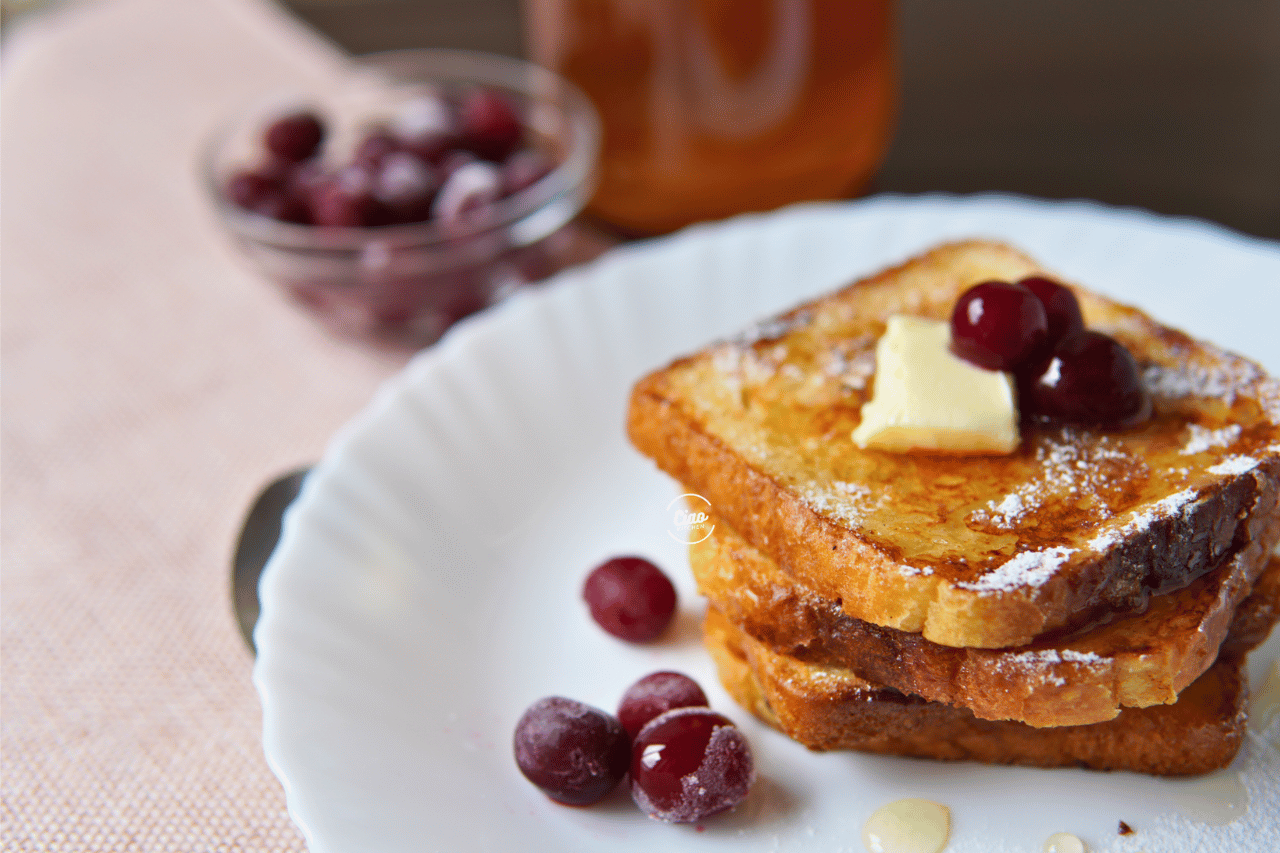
(1171,105)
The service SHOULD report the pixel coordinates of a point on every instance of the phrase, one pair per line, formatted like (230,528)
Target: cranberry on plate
(688,764)
(630,598)
(655,694)
(575,753)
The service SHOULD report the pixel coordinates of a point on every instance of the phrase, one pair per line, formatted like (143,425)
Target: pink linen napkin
(151,383)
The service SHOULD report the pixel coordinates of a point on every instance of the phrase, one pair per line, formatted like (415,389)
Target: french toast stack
(1084,601)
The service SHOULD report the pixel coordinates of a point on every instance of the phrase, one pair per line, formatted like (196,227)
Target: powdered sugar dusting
(772,328)
(1143,519)
(852,362)
(1069,469)
(742,365)
(1234,466)
(1030,569)
(1222,376)
(1047,657)
(846,502)
(1203,439)
(1043,663)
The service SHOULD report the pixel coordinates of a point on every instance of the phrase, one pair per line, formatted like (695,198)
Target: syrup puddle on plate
(1063,842)
(907,826)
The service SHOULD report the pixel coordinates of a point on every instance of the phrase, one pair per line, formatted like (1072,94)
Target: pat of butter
(927,399)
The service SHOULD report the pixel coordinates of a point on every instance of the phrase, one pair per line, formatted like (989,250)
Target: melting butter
(908,826)
(926,399)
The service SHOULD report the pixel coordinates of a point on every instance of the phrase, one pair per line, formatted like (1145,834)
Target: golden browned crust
(956,548)
(828,709)
(1134,660)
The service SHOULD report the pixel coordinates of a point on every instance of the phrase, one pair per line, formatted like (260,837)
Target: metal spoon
(258,537)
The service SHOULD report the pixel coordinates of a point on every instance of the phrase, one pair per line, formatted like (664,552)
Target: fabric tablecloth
(152,382)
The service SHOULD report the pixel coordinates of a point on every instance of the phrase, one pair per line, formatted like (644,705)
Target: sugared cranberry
(427,113)
(287,208)
(688,764)
(655,694)
(373,149)
(267,192)
(346,200)
(1060,307)
(575,753)
(523,169)
(998,325)
(428,127)
(1090,379)
(406,186)
(490,126)
(433,147)
(471,188)
(294,137)
(250,187)
(454,160)
(630,598)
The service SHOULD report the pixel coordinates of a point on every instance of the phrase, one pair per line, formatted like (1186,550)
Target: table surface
(152,382)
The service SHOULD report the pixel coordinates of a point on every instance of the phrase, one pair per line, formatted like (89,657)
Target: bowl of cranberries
(428,185)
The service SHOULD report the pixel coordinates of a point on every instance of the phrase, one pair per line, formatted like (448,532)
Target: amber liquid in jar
(716,107)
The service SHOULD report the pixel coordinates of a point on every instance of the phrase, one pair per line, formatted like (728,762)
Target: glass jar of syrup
(716,107)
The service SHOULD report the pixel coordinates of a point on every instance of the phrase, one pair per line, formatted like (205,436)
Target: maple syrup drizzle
(908,826)
(1063,842)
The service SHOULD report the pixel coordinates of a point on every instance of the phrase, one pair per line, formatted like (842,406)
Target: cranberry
(428,127)
(346,200)
(1089,379)
(630,598)
(406,186)
(998,325)
(267,192)
(654,694)
(1060,308)
(490,126)
(423,116)
(287,208)
(374,148)
(425,164)
(251,187)
(294,137)
(688,764)
(575,753)
(523,169)
(468,190)
(433,147)
(453,160)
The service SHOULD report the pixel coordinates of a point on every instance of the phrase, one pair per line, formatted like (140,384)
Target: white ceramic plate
(426,589)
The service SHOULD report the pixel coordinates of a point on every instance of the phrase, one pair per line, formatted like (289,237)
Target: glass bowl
(407,283)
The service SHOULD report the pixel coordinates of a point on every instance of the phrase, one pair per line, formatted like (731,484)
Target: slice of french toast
(977,551)
(829,708)
(1133,660)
